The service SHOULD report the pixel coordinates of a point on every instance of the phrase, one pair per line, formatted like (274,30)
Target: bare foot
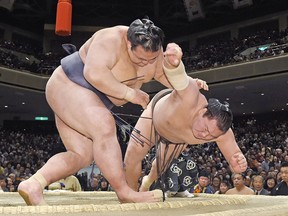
(145,185)
(31,191)
(127,195)
(138,197)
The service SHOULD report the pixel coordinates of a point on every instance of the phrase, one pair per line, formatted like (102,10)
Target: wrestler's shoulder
(118,28)
(112,34)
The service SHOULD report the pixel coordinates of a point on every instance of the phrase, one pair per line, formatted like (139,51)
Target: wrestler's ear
(129,45)
(202,111)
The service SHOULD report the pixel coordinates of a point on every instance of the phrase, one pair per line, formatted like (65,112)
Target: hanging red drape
(63,18)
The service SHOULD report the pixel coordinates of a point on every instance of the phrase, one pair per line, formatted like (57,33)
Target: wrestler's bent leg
(83,111)
(163,164)
(78,155)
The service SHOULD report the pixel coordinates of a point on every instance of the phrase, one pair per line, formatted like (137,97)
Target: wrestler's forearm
(229,150)
(228,145)
(174,68)
(177,76)
(109,85)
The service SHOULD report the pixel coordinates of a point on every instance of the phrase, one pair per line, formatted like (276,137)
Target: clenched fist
(238,163)
(137,96)
(172,55)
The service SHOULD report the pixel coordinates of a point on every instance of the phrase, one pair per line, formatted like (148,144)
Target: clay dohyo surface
(106,204)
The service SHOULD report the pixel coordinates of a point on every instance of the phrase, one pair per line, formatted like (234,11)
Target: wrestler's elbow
(93,77)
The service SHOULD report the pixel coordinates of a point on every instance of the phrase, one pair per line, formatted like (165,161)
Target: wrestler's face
(205,129)
(141,57)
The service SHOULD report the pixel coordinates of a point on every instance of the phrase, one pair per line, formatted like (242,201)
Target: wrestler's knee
(80,159)
(103,126)
(86,160)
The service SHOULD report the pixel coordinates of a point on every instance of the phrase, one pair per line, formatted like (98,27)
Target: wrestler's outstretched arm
(231,151)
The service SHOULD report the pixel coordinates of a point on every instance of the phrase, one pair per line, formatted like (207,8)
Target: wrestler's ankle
(123,192)
(124,197)
(146,183)
(40,179)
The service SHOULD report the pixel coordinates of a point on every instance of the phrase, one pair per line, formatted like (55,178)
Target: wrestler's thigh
(74,141)
(81,109)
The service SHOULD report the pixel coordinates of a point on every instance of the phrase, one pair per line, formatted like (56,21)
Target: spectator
(239,186)
(17,171)
(216,181)
(94,184)
(70,183)
(265,163)
(263,174)
(278,177)
(224,187)
(1,169)
(258,184)
(275,162)
(104,185)
(9,185)
(3,183)
(8,169)
(270,183)
(248,181)
(203,185)
(12,176)
(282,187)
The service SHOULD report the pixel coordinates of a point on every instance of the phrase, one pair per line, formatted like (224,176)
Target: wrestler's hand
(202,84)
(141,98)
(172,55)
(238,163)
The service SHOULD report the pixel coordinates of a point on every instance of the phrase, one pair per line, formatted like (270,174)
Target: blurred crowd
(27,58)
(217,52)
(210,53)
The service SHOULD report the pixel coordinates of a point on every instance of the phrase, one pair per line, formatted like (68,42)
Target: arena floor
(106,204)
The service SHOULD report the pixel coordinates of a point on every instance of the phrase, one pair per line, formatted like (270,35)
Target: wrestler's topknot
(144,33)
(221,112)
